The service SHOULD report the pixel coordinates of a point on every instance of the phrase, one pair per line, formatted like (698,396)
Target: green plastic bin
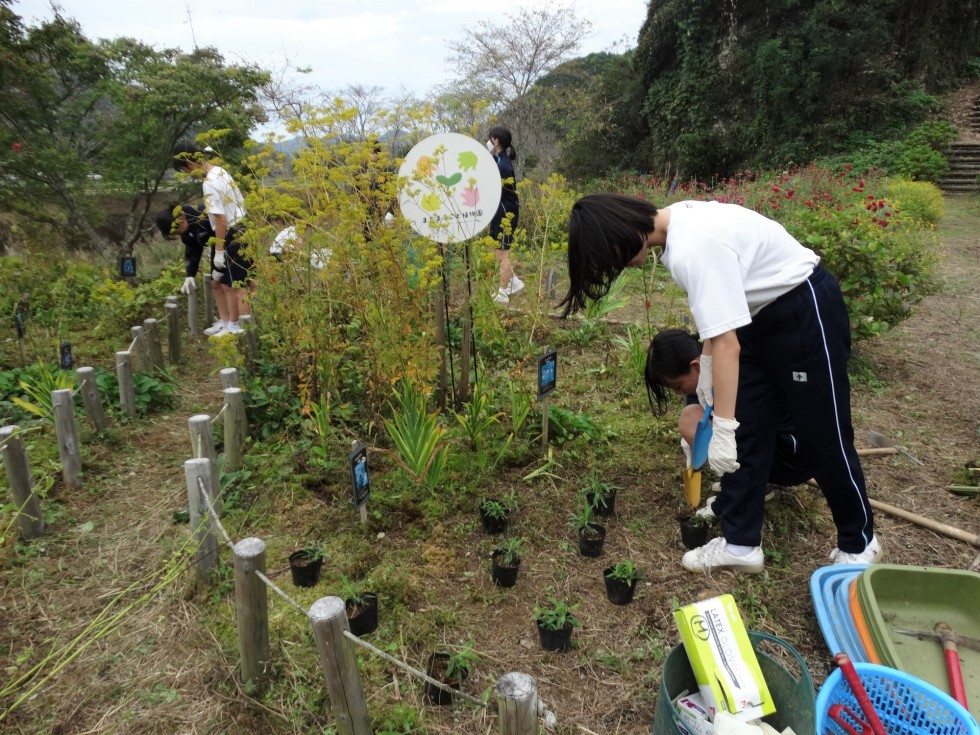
(793,694)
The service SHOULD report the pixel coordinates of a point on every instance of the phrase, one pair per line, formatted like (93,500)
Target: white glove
(189,285)
(705,383)
(722,452)
(216,276)
(687,452)
(219,261)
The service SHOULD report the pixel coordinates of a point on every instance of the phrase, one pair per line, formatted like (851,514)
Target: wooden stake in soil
(251,337)
(206,556)
(229,378)
(144,363)
(124,375)
(517,704)
(67,431)
(252,608)
(235,425)
(329,620)
(30,519)
(173,333)
(192,312)
(152,331)
(208,300)
(202,445)
(91,398)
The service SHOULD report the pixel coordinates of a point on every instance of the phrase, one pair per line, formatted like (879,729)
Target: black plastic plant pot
(436,669)
(305,571)
(492,524)
(503,576)
(598,507)
(618,591)
(693,535)
(555,640)
(591,539)
(363,618)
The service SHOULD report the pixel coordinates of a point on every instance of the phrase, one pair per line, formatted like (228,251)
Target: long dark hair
(506,140)
(669,356)
(605,232)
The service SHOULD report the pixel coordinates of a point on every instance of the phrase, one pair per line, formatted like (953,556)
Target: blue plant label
(66,360)
(547,373)
(360,482)
(127,267)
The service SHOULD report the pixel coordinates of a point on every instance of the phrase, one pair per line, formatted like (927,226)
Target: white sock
(736,550)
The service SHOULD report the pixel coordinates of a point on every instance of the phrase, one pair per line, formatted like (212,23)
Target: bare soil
(167,663)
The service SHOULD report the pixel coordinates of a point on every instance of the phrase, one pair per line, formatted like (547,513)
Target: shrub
(921,155)
(920,202)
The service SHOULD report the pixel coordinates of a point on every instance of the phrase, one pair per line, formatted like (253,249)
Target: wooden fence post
(30,519)
(202,445)
(517,704)
(142,350)
(91,398)
(152,331)
(229,378)
(202,526)
(124,375)
(329,620)
(67,432)
(208,300)
(252,608)
(192,312)
(251,336)
(173,333)
(235,427)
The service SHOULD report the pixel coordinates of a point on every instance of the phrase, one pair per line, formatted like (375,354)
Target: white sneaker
(715,555)
(501,298)
(233,328)
(516,285)
(215,328)
(872,553)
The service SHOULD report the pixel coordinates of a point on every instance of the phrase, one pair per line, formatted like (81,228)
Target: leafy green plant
(625,572)
(612,301)
(478,415)
(37,386)
(494,509)
(581,519)
(313,550)
(565,425)
(520,407)
(597,492)
(920,202)
(417,437)
(634,344)
(556,614)
(461,661)
(353,592)
(511,552)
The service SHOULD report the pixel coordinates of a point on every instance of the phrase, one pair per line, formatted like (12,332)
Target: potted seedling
(451,669)
(305,564)
(694,529)
(621,579)
(600,495)
(591,536)
(494,513)
(506,561)
(361,607)
(555,622)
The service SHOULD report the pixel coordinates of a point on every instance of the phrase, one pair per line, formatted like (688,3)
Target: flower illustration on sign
(467,160)
(431,202)
(471,194)
(426,165)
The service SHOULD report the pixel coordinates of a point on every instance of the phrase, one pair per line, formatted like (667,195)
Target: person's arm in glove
(705,383)
(722,451)
(686,448)
(217,275)
(189,285)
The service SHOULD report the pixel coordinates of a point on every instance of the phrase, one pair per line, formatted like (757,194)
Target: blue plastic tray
(835,622)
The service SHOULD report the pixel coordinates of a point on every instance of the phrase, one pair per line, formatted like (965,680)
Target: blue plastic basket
(835,623)
(906,705)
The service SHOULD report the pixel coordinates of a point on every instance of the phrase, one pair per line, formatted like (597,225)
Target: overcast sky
(396,45)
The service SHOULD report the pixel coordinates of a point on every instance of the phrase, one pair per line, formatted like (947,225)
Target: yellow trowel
(699,455)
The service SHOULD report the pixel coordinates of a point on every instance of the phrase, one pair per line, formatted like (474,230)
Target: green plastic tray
(916,598)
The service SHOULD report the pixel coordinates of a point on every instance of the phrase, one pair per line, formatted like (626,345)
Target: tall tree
(501,62)
(84,123)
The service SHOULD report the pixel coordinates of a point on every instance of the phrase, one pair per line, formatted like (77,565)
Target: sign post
(359,480)
(451,192)
(547,382)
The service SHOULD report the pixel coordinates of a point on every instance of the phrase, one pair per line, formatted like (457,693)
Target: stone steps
(964,164)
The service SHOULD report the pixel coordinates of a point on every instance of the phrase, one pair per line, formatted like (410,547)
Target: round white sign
(451,187)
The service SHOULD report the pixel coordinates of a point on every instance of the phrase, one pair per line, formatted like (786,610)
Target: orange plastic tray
(857,615)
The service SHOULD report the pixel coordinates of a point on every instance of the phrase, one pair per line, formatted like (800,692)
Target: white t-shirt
(285,240)
(732,262)
(221,196)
